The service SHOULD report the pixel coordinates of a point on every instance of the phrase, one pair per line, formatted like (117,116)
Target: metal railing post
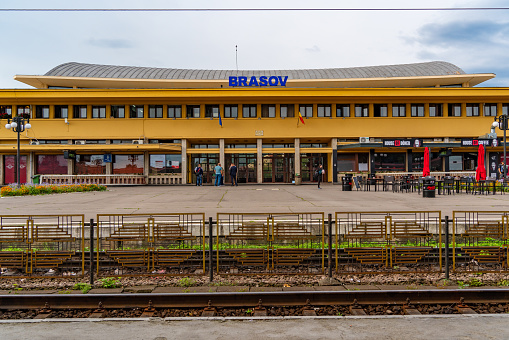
(211,251)
(446,247)
(91,269)
(329,256)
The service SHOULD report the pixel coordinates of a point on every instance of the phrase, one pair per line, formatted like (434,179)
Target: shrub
(42,189)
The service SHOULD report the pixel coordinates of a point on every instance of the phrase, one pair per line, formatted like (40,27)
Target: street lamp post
(18,125)
(501,123)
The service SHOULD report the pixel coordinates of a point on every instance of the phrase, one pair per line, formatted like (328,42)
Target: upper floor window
(174,111)
(454,110)
(342,110)
(5,111)
(98,111)
(380,110)
(231,111)
(287,110)
(361,110)
(472,110)
(118,111)
(306,110)
(490,110)
(136,111)
(79,111)
(435,110)
(192,111)
(398,110)
(42,111)
(417,110)
(211,111)
(249,111)
(505,109)
(61,111)
(24,111)
(323,110)
(268,111)
(155,111)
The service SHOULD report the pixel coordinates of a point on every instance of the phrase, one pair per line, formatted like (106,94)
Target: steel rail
(250,299)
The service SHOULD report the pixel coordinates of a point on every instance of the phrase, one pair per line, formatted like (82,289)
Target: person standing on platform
(218,171)
(199,175)
(501,170)
(319,173)
(233,174)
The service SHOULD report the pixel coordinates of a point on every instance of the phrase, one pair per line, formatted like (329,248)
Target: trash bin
(428,189)
(36,179)
(347,182)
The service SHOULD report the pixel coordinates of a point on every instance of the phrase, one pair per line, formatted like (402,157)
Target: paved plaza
(244,198)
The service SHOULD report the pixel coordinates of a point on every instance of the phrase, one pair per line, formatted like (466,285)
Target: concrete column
(30,166)
(146,164)
(184,161)
(333,168)
(70,166)
(259,161)
(221,154)
(297,157)
(2,170)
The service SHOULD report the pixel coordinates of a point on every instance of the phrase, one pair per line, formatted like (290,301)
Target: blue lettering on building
(254,81)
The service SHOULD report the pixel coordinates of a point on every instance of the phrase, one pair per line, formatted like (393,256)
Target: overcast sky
(35,42)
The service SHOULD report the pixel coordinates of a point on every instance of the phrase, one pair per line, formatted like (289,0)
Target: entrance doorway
(278,168)
(246,167)
(208,163)
(309,162)
(10,169)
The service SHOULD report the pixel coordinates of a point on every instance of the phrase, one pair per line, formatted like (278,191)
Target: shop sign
(402,143)
(476,142)
(257,81)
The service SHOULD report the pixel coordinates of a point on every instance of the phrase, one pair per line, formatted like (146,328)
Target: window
(128,164)
(472,110)
(79,111)
(174,111)
(361,110)
(398,110)
(51,165)
(212,111)
(454,110)
(42,111)
(5,111)
(306,111)
(231,111)
(380,110)
(417,110)
(323,110)
(61,111)
(118,111)
(24,111)
(192,111)
(435,110)
(249,111)
(98,111)
(342,110)
(136,111)
(155,111)
(90,165)
(490,110)
(164,164)
(505,109)
(287,110)
(268,111)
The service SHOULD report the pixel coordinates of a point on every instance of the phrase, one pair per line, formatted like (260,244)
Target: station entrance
(278,168)
(246,167)
(208,162)
(309,162)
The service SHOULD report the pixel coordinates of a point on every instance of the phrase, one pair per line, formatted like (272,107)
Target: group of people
(218,173)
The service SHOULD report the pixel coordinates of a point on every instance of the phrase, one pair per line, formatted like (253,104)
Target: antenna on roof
(236,59)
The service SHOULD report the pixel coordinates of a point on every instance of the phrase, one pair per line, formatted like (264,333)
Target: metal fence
(42,245)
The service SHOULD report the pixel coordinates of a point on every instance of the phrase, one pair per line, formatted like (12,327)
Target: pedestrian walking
(218,170)
(199,175)
(233,174)
(319,174)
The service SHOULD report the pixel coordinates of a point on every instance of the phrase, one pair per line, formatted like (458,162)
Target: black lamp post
(18,125)
(501,123)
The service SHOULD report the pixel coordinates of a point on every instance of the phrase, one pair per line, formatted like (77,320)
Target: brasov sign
(261,81)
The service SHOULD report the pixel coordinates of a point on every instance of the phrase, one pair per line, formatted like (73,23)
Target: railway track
(307,303)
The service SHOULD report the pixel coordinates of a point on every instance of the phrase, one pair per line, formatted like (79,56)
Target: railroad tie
(356,310)
(260,310)
(209,311)
(462,308)
(98,313)
(149,311)
(410,309)
(44,312)
(308,310)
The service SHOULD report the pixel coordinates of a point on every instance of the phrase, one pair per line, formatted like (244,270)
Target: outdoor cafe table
(375,182)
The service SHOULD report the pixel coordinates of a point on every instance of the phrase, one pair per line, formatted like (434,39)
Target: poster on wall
(157,161)
(493,165)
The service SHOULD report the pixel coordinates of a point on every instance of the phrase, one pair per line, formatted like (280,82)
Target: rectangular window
(417,110)
(90,165)
(192,111)
(211,111)
(231,111)
(505,109)
(128,164)
(174,111)
(287,110)
(79,111)
(249,111)
(380,110)
(61,111)
(136,111)
(361,110)
(472,110)
(490,110)
(342,110)
(51,165)
(5,110)
(435,110)
(98,111)
(155,111)
(24,111)
(306,110)
(165,164)
(454,110)
(42,111)
(323,110)
(398,110)
(268,111)
(118,111)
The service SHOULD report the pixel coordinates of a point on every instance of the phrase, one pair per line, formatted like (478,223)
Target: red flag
(301,119)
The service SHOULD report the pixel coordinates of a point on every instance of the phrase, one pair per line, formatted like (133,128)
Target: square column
(297,159)
(333,168)
(221,155)
(184,161)
(259,161)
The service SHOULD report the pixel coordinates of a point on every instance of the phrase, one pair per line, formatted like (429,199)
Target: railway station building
(141,125)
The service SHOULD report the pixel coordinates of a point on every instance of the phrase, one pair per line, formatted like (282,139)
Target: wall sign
(402,143)
(476,142)
(254,81)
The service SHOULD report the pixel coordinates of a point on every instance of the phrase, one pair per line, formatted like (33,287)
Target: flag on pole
(220,121)
(300,119)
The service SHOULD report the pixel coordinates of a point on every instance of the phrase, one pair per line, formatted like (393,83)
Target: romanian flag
(300,119)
